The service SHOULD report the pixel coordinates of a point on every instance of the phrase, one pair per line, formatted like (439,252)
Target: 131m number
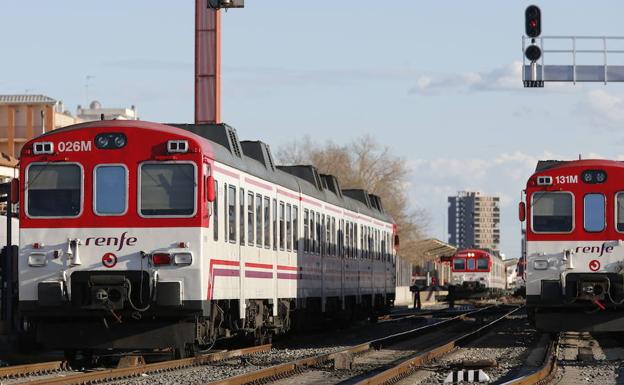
(561,179)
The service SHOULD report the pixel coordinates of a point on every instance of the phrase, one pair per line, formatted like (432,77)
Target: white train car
(138,235)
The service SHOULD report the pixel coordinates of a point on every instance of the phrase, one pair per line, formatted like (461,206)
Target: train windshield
(53,190)
(167,189)
(620,212)
(482,264)
(594,217)
(471,264)
(459,264)
(552,212)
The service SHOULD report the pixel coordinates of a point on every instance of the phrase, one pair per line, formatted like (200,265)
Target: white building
(95,112)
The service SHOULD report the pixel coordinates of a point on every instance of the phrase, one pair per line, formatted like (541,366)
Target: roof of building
(26,99)
(432,249)
(7,160)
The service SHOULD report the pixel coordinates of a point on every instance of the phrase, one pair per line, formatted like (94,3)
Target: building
(23,117)
(473,221)
(96,112)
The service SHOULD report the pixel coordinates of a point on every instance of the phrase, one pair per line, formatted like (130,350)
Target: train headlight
(40,148)
(182,258)
(110,141)
(177,146)
(540,264)
(594,176)
(37,259)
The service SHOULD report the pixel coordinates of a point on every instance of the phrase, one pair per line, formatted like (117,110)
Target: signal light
(161,259)
(533,53)
(533,21)
(110,141)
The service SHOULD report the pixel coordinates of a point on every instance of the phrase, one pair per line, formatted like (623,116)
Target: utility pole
(208,58)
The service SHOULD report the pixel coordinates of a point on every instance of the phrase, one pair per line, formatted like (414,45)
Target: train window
(274,224)
(54,190)
(282,228)
(232,213)
(619,215)
(259,226)
(241,216)
(267,223)
(306,230)
(459,264)
(295,228)
(215,212)
(225,210)
(482,264)
(250,218)
(288,227)
(355,238)
(312,232)
(347,240)
(594,212)
(333,234)
(167,189)
(110,185)
(552,212)
(317,242)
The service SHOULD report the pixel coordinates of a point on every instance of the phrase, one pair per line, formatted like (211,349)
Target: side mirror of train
(210,189)
(396,241)
(522,211)
(15,191)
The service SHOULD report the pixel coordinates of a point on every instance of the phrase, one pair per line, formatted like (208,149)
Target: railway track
(108,375)
(344,358)
(32,369)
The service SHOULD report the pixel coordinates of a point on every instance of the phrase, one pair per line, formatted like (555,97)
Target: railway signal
(535,71)
(533,21)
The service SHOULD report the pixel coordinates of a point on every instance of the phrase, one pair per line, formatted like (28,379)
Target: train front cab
(575,266)
(109,250)
(470,271)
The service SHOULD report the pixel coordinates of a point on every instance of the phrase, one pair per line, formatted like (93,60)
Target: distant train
(477,273)
(137,235)
(574,215)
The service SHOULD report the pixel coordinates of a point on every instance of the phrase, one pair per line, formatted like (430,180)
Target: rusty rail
(410,365)
(290,368)
(112,374)
(27,369)
(545,372)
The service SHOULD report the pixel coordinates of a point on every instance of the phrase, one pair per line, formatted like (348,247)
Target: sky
(437,82)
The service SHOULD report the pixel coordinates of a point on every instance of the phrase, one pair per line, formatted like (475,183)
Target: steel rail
(300,365)
(36,368)
(545,372)
(410,365)
(113,374)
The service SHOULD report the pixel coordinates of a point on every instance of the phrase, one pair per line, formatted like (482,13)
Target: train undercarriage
(592,302)
(110,311)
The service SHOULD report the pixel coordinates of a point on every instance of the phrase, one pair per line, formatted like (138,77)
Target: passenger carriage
(477,273)
(139,235)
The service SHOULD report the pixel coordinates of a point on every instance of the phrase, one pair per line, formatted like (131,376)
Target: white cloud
(505,78)
(603,108)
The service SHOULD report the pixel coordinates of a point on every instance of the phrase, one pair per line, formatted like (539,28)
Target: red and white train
(574,213)
(477,273)
(137,235)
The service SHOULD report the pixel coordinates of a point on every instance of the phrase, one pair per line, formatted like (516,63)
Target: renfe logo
(120,241)
(595,249)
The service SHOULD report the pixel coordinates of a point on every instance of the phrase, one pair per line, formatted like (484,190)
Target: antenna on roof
(101,116)
(580,157)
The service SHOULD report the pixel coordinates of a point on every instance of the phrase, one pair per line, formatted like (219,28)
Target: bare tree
(364,163)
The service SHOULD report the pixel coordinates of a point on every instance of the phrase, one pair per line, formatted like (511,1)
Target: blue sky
(438,82)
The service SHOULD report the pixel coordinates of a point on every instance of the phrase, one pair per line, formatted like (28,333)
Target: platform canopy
(429,250)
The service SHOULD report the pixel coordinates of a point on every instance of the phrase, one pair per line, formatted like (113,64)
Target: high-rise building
(473,220)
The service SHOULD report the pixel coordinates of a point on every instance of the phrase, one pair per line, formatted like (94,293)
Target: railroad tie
(466,375)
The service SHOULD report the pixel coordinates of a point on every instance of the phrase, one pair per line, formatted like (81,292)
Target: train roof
(255,158)
(544,165)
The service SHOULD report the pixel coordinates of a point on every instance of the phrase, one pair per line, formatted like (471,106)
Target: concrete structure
(473,221)
(23,117)
(95,112)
